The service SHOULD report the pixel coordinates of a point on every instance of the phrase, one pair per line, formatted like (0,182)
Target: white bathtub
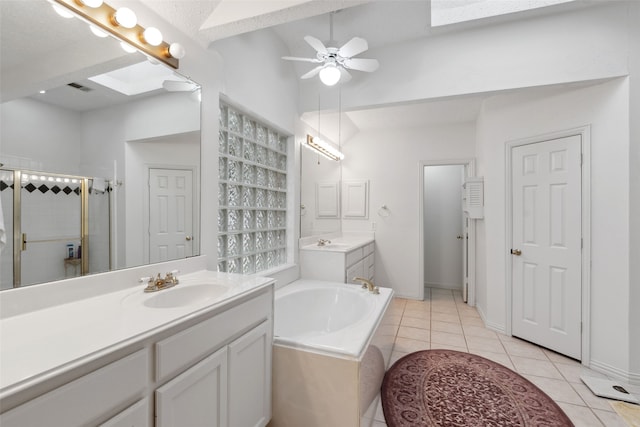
(327,317)
(330,341)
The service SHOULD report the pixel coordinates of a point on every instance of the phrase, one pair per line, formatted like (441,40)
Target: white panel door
(170,214)
(546,247)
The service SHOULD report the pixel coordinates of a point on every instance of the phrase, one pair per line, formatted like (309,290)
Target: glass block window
(252,194)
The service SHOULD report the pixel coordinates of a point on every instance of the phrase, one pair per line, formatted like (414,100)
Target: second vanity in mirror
(340,258)
(96,155)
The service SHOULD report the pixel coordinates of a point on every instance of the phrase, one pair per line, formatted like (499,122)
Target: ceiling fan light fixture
(330,75)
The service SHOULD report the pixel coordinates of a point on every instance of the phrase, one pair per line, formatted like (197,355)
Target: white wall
(634,190)
(581,45)
(442,216)
(390,160)
(40,136)
(605,107)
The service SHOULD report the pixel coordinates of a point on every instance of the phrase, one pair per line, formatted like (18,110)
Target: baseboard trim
(632,378)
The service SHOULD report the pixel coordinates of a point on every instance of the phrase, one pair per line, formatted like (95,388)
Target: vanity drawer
(82,401)
(368,249)
(180,351)
(353,257)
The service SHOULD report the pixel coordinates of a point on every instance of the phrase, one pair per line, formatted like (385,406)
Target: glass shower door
(51,230)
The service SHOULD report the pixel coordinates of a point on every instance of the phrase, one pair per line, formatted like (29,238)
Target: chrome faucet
(322,242)
(368,284)
(158,283)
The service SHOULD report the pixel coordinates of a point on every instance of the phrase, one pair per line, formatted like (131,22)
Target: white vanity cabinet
(338,265)
(88,398)
(212,368)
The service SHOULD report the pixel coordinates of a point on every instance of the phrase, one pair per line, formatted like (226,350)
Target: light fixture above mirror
(123,25)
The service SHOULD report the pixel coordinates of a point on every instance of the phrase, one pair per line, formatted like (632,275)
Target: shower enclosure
(55,226)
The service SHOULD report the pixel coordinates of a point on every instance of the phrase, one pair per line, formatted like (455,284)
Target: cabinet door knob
(188,238)
(516,252)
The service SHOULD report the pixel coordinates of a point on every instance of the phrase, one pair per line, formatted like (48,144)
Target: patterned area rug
(451,388)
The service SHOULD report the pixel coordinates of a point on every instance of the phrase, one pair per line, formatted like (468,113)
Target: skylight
(445,12)
(135,79)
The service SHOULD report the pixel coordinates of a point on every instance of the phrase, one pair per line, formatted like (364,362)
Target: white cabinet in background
(338,266)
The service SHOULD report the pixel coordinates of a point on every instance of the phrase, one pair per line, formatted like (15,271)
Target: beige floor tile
(500,358)
(580,415)
(466,311)
(456,340)
(558,390)
(523,349)
(407,345)
(610,419)
(439,346)
(418,314)
(559,358)
(445,317)
(591,399)
(418,305)
(394,320)
(395,355)
(479,331)
(444,307)
(453,328)
(539,368)
(493,345)
(572,372)
(415,322)
(471,321)
(379,415)
(413,333)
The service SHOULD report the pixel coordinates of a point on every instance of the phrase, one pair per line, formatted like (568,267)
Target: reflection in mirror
(100,152)
(319,194)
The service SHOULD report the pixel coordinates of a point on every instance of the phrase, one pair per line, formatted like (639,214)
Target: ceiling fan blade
(316,44)
(312,72)
(362,64)
(296,58)
(353,47)
(178,86)
(345,76)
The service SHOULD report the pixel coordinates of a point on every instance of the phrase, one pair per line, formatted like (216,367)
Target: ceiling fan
(334,62)
(179,86)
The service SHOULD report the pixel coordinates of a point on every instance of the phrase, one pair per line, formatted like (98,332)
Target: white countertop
(339,245)
(40,344)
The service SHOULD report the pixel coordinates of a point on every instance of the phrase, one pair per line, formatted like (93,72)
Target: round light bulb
(125,17)
(330,75)
(127,47)
(92,3)
(177,51)
(152,36)
(98,32)
(62,11)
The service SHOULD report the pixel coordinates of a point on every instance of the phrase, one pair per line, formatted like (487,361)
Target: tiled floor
(443,320)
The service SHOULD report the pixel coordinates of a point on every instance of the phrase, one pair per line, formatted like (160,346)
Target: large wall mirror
(100,152)
(320,177)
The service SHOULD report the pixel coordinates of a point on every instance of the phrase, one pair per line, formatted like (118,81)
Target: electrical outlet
(373,226)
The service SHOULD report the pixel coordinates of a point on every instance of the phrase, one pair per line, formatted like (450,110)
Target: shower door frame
(19,241)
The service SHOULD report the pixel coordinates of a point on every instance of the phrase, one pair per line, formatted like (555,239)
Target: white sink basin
(181,296)
(330,246)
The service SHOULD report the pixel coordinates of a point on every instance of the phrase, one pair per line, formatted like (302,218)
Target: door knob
(188,238)
(459,237)
(516,252)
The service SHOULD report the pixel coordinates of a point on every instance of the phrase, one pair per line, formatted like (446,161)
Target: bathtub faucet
(368,284)
(322,242)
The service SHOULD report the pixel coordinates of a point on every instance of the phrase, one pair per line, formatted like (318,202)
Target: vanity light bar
(103,18)
(324,148)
